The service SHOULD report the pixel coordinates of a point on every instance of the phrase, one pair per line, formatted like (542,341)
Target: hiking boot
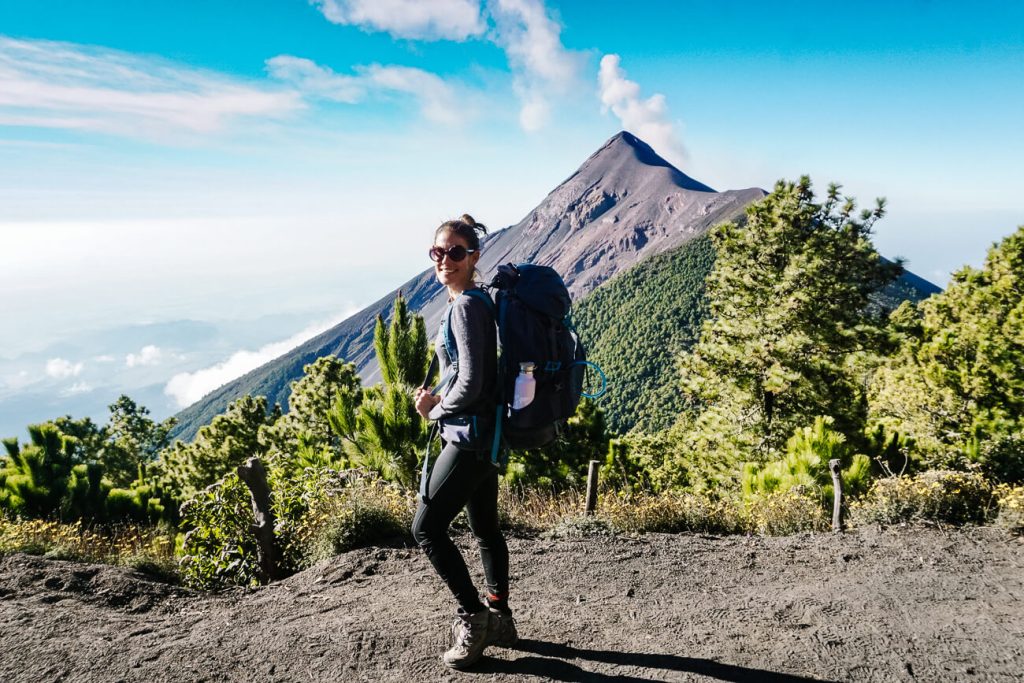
(470,635)
(502,631)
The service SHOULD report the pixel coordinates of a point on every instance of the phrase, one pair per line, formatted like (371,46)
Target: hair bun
(466,218)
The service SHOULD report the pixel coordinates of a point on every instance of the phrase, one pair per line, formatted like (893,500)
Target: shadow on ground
(553,660)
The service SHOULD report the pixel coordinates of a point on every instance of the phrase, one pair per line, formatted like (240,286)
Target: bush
(672,512)
(939,496)
(1011,508)
(365,511)
(219,547)
(784,513)
(806,465)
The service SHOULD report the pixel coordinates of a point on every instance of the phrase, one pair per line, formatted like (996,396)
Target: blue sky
(238,162)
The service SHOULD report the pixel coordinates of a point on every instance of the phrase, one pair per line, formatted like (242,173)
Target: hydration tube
(604,379)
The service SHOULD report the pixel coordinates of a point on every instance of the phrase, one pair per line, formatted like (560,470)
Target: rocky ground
(900,605)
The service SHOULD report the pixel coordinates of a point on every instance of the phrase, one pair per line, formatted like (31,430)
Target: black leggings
(463,479)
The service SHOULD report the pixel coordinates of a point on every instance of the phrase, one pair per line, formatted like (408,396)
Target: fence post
(591,504)
(837,498)
(255,477)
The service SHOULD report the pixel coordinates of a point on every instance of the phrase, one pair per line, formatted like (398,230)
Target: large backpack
(532,306)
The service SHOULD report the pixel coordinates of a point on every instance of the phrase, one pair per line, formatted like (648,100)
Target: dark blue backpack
(532,306)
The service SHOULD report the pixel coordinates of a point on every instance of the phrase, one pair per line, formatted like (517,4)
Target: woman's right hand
(425,401)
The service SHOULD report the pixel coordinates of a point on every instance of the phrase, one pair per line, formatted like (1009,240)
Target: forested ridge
(637,326)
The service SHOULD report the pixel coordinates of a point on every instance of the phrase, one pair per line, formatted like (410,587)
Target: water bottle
(526,386)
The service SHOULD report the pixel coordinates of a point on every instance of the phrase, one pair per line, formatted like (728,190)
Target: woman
(462,477)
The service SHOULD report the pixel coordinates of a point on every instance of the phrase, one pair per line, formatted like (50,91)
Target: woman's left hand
(425,401)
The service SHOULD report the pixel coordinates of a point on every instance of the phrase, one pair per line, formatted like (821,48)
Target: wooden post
(255,477)
(837,498)
(591,504)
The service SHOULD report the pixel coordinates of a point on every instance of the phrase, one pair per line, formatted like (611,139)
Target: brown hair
(466,228)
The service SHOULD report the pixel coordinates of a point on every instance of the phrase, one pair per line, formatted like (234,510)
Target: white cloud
(188,387)
(438,100)
(319,81)
(647,119)
(60,368)
(149,355)
(18,381)
(63,85)
(76,388)
(542,67)
(106,358)
(431,20)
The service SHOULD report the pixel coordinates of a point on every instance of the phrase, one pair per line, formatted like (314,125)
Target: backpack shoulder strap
(482,296)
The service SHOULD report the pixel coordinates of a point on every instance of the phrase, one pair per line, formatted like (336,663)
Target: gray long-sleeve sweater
(475,337)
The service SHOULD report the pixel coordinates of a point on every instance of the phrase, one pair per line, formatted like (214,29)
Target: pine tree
(384,433)
(132,441)
(956,387)
(306,426)
(219,447)
(35,479)
(789,324)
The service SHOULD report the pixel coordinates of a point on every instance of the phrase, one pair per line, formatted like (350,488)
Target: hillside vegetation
(637,326)
(744,361)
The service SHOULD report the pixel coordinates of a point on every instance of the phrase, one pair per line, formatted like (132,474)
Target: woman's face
(456,275)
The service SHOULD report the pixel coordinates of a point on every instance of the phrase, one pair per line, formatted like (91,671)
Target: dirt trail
(918,604)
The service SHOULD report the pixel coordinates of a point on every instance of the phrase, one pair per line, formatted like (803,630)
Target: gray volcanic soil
(918,604)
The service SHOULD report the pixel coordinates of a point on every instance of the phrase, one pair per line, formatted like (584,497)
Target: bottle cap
(528,366)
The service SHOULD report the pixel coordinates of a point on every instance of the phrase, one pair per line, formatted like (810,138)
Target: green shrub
(806,466)
(219,547)
(365,510)
(939,496)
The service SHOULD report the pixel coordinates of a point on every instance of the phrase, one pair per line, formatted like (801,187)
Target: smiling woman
(463,475)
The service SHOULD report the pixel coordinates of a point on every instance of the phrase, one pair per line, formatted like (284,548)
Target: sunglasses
(456,253)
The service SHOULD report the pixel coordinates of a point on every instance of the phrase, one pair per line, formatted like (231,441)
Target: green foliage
(383,432)
(636,463)
(307,424)
(805,466)
(563,464)
(37,481)
(637,325)
(319,512)
(219,547)
(365,510)
(132,440)
(957,384)
(790,328)
(222,445)
(47,480)
(940,496)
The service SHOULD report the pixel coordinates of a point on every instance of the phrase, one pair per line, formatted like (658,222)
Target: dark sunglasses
(456,253)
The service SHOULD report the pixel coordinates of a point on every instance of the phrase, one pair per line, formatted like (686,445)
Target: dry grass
(150,549)
(936,496)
